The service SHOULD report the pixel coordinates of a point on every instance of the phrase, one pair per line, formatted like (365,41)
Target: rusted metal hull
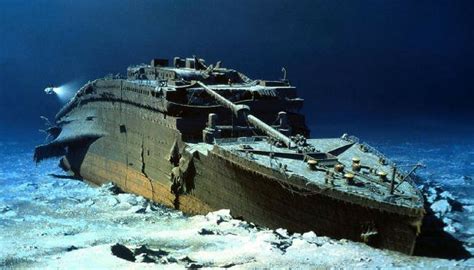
(161,134)
(136,156)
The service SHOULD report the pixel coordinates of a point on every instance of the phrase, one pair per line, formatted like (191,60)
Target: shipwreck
(200,138)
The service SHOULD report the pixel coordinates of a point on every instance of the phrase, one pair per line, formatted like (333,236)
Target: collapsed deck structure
(200,138)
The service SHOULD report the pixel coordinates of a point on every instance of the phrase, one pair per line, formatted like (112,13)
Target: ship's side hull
(136,154)
(223,183)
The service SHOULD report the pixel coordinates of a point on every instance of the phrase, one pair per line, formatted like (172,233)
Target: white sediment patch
(67,224)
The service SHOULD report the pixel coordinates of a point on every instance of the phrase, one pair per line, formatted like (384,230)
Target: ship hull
(136,154)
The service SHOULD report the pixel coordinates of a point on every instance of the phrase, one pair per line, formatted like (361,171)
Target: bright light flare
(63,92)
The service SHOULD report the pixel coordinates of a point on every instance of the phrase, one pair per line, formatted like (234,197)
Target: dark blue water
(375,58)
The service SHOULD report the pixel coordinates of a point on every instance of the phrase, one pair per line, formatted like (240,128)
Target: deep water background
(399,62)
(386,71)
(398,74)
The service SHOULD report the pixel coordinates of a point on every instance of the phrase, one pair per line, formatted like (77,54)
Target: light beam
(64,92)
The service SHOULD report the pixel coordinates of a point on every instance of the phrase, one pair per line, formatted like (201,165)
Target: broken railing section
(242,112)
(412,171)
(397,170)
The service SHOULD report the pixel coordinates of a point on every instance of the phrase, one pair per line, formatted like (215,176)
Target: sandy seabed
(49,222)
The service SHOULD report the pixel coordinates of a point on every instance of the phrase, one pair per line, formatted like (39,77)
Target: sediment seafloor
(50,221)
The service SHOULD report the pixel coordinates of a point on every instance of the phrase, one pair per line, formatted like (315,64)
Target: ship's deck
(366,182)
(250,86)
